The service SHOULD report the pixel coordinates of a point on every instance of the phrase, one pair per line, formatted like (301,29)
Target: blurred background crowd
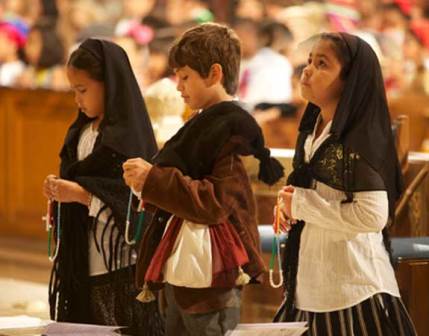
(36,37)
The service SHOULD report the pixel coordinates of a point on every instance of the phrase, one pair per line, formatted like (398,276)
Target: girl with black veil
(92,279)
(340,199)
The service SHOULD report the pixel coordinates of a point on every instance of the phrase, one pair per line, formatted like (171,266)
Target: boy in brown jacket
(198,181)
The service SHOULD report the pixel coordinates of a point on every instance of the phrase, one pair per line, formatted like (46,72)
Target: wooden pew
(415,106)
(33,125)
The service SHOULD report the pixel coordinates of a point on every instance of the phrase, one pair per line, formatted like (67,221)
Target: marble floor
(24,277)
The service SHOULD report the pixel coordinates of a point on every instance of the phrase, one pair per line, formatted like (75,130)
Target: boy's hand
(135,173)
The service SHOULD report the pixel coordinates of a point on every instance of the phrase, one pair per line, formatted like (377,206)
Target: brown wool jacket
(226,194)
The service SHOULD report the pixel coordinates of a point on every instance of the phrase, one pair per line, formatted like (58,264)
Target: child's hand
(67,191)
(48,186)
(283,221)
(285,196)
(288,188)
(135,173)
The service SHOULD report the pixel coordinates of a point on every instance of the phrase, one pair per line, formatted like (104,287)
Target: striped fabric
(380,315)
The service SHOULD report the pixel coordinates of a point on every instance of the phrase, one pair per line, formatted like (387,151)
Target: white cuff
(297,199)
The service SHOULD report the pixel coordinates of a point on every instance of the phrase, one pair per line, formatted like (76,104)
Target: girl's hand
(67,191)
(135,173)
(48,186)
(284,224)
(285,204)
(288,188)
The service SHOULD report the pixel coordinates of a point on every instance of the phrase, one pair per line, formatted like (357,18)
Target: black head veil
(126,126)
(362,121)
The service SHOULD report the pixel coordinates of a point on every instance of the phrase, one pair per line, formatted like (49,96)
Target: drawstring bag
(199,256)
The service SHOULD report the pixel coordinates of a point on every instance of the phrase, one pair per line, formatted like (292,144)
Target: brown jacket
(226,194)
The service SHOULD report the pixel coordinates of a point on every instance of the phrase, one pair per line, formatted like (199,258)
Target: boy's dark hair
(84,60)
(202,46)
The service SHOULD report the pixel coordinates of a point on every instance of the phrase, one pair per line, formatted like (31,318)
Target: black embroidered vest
(334,165)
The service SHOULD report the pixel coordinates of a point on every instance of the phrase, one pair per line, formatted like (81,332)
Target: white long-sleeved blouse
(342,258)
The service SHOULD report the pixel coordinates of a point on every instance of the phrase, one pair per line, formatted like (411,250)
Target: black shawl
(125,132)
(196,146)
(361,132)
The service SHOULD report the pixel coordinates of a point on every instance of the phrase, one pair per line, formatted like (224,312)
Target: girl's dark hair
(342,51)
(84,60)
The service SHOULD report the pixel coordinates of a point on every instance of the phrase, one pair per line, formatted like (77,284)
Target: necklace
(138,231)
(50,224)
(275,249)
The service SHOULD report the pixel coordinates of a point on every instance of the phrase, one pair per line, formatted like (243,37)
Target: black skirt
(113,302)
(380,315)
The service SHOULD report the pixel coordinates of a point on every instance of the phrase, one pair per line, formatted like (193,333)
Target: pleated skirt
(380,315)
(113,302)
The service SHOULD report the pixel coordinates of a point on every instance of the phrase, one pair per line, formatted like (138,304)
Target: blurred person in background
(12,41)
(78,17)
(134,11)
(44,53)
(166,107)
(250,9)
(21,9)
(304,21)
(280,125)
(370,19)
(266,78)
(394,24)
(247,30)
(147,42)
(179,12)
(157,64)
(416,73)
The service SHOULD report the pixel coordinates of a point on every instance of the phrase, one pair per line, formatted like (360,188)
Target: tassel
(270,170)
(243,278)
(146,295)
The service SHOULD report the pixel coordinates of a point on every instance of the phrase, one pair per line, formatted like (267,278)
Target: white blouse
(96,263)
(342,258)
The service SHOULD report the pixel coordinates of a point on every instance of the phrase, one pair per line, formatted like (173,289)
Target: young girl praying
(92,278)
(340,198)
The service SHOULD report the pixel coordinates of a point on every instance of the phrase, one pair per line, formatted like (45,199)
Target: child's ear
(215,75)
